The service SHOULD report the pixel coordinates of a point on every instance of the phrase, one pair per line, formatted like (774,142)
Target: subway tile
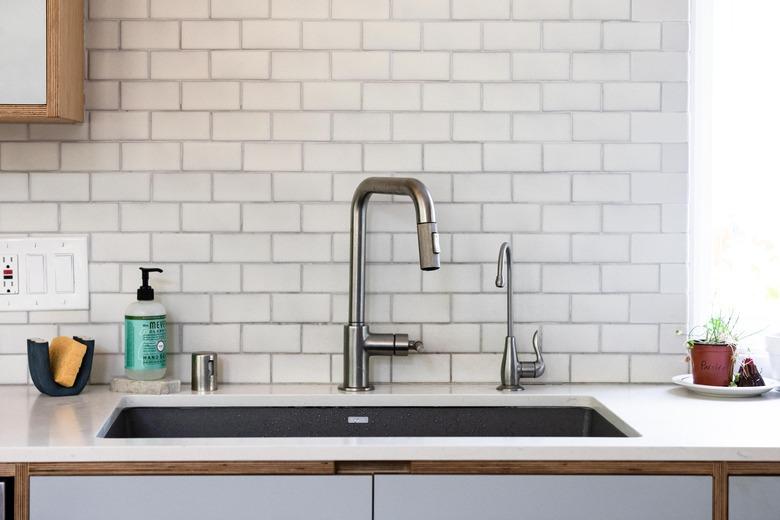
(271,34)
(391,96)
(89,217)
(59,187)
(210,34)
(240,8)
(150,217)
(118,9)
(270,337)
(181,125)
(212,216)
(242,247)
(571,35)
(420,66)
(249,187)
(212,95)
(179,9)
(120,186)
(221,278)
(547,10)
(240,64)
(540,66)
(150,35)
(451,36)
(299,8)
(511,35)
(601,9)
(90,156)
(151,156)
(152,95)
(119,126)
(181,247)
(242,308)
(29,156)
(331,35)
(300,65)
(118,65)
(599,368)
(211,156)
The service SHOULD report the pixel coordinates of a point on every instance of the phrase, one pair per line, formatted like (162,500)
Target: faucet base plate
(510,388)
(356,388)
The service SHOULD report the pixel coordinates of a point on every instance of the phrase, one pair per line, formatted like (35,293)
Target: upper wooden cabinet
(41,61)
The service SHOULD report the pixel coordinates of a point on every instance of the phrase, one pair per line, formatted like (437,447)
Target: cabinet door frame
(64,69)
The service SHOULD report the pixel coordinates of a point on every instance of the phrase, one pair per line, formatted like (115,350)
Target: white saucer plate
(686,380)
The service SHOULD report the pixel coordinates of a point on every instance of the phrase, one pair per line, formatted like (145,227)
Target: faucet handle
(417,346)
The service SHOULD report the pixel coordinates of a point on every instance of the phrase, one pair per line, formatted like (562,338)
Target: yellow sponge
(65,357)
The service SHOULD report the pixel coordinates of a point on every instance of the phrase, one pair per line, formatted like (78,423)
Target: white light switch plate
(49,273)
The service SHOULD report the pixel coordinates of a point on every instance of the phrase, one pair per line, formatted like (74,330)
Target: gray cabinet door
(754,498)
(22,52)
(201,497)
(542,497)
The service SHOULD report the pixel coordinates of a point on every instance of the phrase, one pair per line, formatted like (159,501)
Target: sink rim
(373,400)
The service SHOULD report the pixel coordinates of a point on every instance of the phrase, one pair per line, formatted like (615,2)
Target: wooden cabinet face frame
(719,471)
(64,69)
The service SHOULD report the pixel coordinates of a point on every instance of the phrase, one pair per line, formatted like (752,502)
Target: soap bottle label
(145,341)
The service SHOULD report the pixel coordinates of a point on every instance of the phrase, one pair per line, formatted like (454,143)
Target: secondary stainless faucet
(359,343)
(512,370)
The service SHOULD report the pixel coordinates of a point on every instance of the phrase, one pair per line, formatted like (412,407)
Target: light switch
(36,274)
(48,273)
(63,274)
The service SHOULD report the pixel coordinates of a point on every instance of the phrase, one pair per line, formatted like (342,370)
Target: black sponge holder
(40,369)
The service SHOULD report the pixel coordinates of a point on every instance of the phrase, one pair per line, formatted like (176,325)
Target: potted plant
(712,349)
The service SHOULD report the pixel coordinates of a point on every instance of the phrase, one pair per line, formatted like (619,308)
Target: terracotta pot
(712,364)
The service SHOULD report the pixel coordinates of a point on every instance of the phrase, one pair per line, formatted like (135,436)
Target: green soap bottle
(146,334)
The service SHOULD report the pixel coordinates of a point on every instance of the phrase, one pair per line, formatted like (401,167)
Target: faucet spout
(427,232)
(359,343)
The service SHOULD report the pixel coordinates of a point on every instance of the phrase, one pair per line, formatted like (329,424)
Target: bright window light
(735,210)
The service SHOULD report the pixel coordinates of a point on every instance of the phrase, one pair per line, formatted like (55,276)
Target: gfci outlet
(44,273)
(10,274)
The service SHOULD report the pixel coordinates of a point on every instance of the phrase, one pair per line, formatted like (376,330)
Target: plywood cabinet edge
(64,69)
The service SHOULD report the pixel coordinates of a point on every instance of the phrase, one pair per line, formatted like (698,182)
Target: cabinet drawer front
(542,497)
(754,498)
(201,497)
(23,52)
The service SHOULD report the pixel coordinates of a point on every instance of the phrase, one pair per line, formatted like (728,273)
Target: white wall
(224,140)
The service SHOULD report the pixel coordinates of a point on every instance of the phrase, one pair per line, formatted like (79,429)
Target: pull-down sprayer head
(428,245)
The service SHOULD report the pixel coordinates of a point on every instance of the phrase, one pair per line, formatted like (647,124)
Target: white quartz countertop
(671,423)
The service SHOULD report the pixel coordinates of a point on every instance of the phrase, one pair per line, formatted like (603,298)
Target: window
(735,182)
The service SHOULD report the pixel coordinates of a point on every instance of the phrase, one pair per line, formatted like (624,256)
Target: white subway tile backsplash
(224,140)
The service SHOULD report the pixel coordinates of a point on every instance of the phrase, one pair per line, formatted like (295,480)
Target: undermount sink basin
(364,421)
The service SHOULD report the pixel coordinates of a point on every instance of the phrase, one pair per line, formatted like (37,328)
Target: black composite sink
(376,421)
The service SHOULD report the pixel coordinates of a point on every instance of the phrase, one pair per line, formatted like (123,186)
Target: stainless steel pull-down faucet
(512,370)
(359,343)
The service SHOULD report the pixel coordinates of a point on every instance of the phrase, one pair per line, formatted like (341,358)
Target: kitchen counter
(671,423)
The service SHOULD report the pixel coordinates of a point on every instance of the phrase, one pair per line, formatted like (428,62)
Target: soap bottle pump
(146,333)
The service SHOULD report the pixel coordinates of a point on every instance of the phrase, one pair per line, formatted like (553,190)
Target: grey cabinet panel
(542,497)
(201,497)
(22,52)
(754,498)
